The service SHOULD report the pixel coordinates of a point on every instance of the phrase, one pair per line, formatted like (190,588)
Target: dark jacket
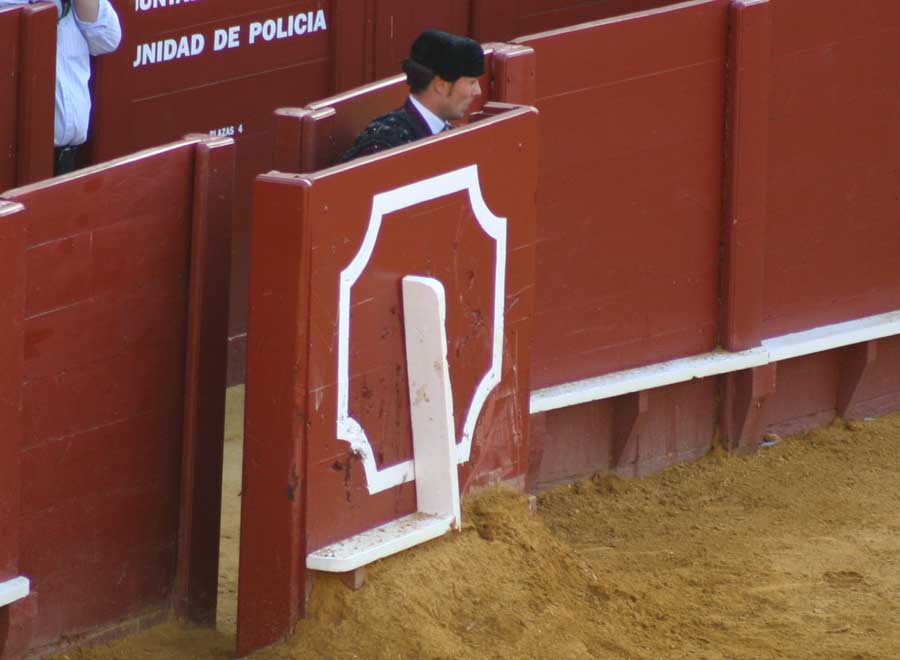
(400,126)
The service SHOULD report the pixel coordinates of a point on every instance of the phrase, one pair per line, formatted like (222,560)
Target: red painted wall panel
(398,22)
(880,392)
(109,257)
(9,95)
(321,495)
(831,233)
(230,91)
(12,311)
(502,20)
(379,359)
(678,425)
(27,65)
(103,390)
(647,182)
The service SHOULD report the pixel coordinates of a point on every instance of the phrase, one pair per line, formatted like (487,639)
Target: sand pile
(790,553)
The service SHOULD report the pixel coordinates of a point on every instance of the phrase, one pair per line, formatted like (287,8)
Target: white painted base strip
(378,543)
(828,337)
(644,378)
(793,345)
(13,590)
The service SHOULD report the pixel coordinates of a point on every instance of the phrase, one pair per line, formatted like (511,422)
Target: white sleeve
(104,34)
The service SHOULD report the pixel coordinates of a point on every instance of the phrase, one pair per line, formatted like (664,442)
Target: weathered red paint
(12,312)
(272,576)
(744,221)
(831,233)
(119,260)
(501,20)
(806,121)
(743,401)
(648,182)
(27,65)
(626,434)
(17,623)
(397,23)
(318,223)
(229,90)
(197,572)
(239,87)
(857,366)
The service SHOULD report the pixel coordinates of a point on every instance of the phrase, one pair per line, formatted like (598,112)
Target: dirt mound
(505,576)
(790,553)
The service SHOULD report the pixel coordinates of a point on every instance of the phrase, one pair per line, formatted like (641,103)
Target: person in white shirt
(85,28)
(442,72)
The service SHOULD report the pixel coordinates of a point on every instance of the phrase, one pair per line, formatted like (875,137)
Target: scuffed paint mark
(293,482)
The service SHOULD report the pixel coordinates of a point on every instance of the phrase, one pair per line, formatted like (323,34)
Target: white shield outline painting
(348,428)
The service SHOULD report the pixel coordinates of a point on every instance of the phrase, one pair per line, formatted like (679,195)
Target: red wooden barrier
(223,68)
(27,65)
(631,165)
(831,235)
(122,348)
(318,223)
(219,68)
(629,269)
(14,619)
(502,20)
(743,228)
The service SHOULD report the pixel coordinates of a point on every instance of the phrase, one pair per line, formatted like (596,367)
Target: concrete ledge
(775,349)
(13,590)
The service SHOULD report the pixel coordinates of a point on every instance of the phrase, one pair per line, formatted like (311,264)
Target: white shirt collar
(435,123)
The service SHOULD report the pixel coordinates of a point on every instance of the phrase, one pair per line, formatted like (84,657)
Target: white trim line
(348,429)
(837,335)
(775,349)
(13,590)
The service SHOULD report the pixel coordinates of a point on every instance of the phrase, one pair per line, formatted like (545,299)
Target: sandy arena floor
(793,553)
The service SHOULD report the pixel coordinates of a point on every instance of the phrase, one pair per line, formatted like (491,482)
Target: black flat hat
(448,55)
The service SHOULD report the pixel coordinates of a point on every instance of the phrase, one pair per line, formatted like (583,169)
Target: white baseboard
(788,346)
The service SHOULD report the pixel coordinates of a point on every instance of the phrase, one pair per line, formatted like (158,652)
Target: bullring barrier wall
(328,442)
(222,68)
(655,252)
(507,19)
(27,72)
(781,271)
(831,240)
(114,328)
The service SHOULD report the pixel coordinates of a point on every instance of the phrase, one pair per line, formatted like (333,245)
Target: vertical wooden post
(744,221)
(856,365)
(16,619)
(34,160)
(628,411)
(304,139)
(205,366)
(743,404)
(273,578)
(514,74)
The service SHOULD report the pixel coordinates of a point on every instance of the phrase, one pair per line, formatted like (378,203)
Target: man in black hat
(442,72)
